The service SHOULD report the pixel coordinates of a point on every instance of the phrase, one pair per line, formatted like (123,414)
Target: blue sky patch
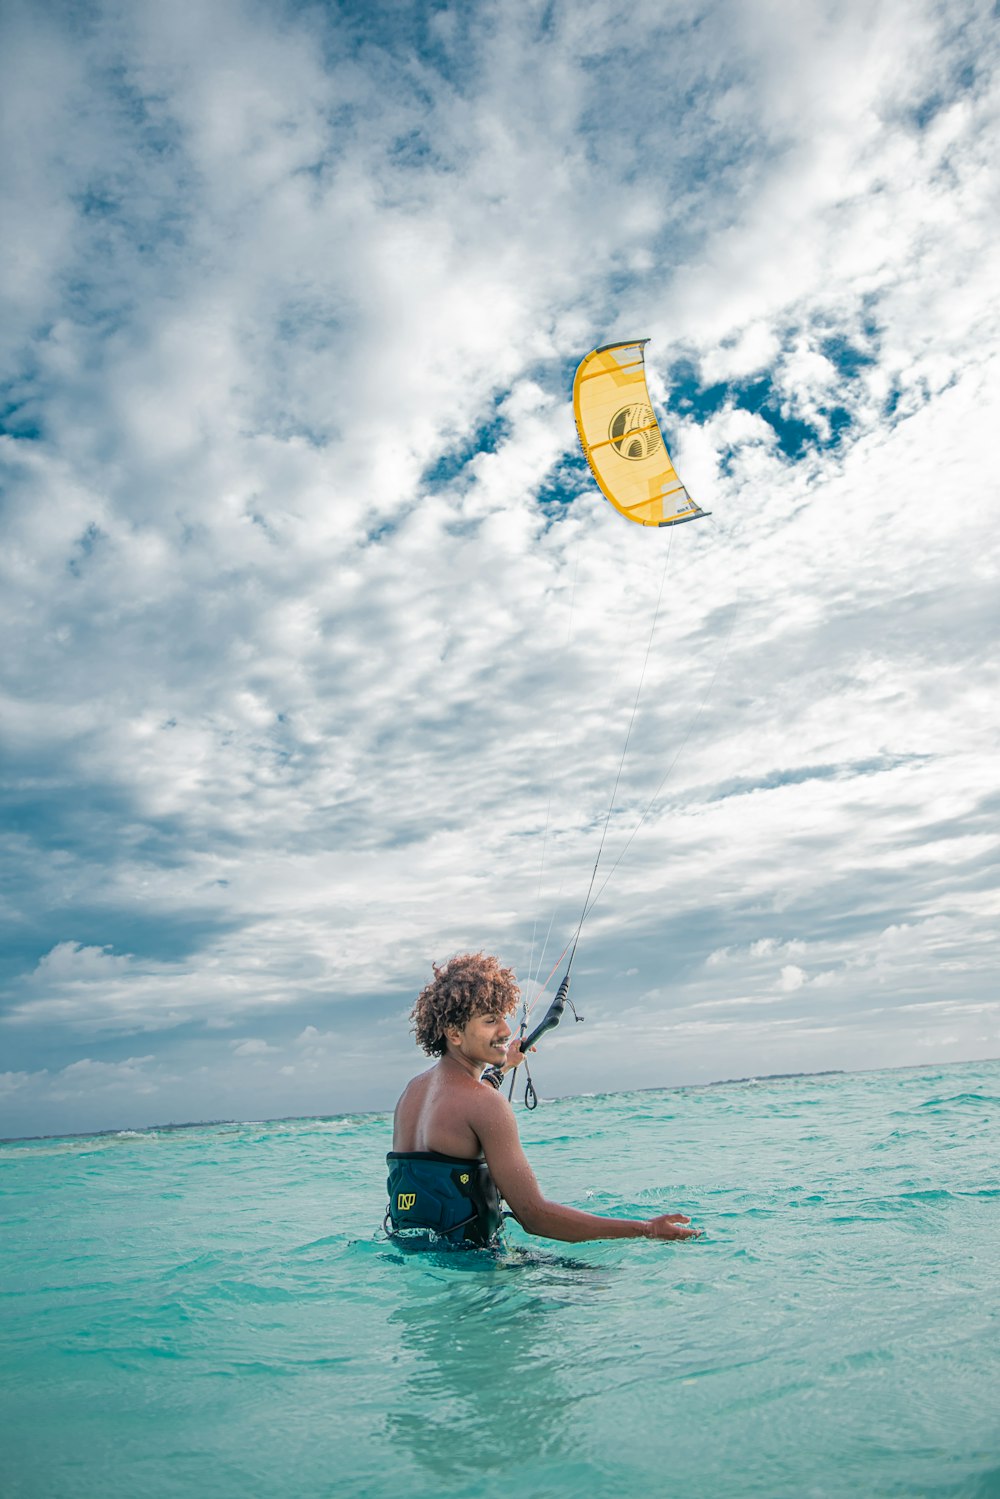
(484,439)
(760,396)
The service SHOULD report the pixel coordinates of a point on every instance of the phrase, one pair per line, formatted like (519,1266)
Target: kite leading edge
(621,440)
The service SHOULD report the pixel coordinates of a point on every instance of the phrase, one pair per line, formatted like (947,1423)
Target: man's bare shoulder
(472,1099)
(490,1105)
(414,1092)
(475,1097)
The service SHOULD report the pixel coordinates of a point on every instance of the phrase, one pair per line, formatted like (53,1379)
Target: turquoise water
(206,1311)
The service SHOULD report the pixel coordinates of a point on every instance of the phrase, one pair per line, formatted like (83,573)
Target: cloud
(11,1082)
(88,1077)
(252,1047)
(322,647)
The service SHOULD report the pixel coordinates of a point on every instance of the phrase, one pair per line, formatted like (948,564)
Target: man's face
(483,1040)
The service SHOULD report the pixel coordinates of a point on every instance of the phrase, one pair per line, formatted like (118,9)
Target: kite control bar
(551,1019)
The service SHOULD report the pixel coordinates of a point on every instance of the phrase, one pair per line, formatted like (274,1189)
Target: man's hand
(515,1056)
(671,1226)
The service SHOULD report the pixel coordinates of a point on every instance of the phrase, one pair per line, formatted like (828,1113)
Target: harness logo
(405,1201)
(633,432)
(464,1178)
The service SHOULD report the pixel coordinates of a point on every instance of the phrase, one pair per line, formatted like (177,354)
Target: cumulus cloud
(88,1077)
(321,645)
(11,1082)
(252,1047)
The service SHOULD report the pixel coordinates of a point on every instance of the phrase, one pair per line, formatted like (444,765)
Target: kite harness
(451,1198)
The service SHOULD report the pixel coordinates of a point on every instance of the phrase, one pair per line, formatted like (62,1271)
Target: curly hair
(467,985)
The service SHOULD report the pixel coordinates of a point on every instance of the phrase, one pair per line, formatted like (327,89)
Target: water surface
(211,1311)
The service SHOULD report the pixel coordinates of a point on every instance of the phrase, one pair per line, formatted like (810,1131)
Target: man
(455,1147)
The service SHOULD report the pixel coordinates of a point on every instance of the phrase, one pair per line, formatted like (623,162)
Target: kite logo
(633,432)
(405,1201)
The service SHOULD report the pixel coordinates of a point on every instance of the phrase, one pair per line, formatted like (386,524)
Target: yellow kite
(622,441)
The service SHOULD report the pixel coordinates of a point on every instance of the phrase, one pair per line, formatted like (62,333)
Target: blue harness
(444,1195)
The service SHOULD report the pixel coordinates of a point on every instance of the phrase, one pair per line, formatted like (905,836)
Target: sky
(321,646)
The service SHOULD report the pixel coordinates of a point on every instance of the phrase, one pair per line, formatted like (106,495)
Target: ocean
(212,1311)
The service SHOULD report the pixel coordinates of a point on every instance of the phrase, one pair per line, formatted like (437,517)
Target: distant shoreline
(722,1082)
(776,1077)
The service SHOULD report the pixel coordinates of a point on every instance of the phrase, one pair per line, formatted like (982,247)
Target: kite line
(624,448)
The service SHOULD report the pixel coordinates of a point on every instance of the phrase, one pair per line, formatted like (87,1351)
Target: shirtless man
(455,1147)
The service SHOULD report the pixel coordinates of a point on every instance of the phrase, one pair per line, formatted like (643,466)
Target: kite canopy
(621,440)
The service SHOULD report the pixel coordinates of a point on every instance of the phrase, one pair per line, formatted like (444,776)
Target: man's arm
(517,1184)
